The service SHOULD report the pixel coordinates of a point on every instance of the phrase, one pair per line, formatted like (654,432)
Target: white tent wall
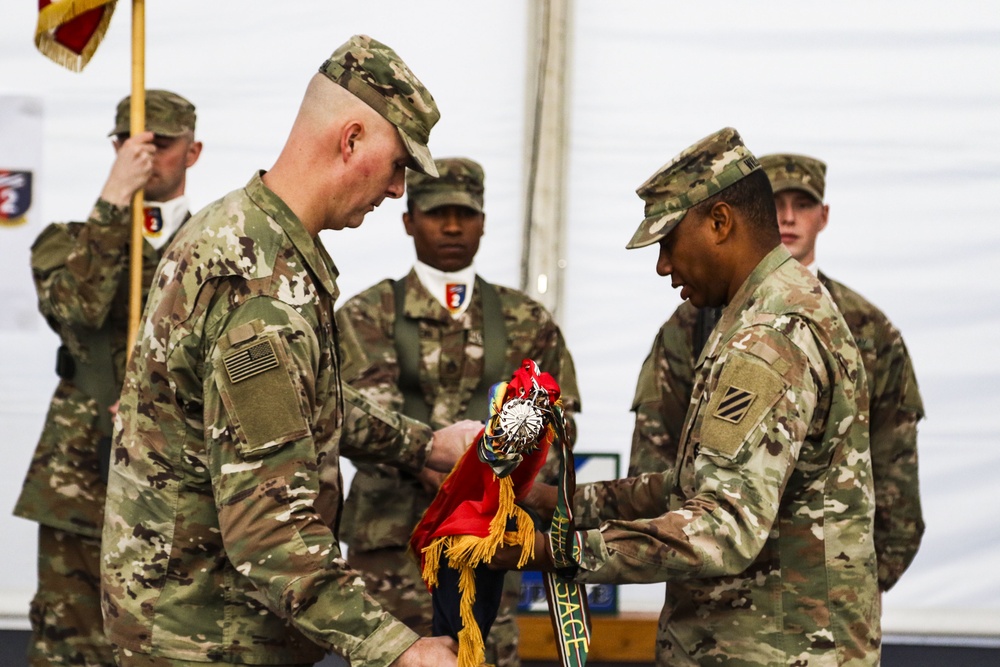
(900,100)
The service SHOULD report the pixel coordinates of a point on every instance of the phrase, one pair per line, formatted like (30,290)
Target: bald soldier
(431,345)
(763,528)
(81,278)
(225,478)
(663,391)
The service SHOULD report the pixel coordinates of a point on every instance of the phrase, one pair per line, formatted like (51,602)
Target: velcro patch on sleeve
(257,388)
(747,389)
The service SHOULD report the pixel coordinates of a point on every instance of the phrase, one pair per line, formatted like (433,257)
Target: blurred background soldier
(430,345)
(82,278)
(663,391)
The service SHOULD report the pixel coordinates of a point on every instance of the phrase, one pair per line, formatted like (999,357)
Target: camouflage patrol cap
(167,114)
(700,171)
(374,73)
(795,172)
(459,182)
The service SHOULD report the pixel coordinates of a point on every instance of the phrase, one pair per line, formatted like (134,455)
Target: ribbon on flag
(567,599)
(69,31)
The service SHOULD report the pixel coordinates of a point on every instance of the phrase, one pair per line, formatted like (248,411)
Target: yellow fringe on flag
(54,15)
(466,552)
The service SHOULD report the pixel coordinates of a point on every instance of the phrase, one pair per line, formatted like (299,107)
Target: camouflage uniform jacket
(664,392)
(385,503)
(763,530)
(225,479)
(81,279)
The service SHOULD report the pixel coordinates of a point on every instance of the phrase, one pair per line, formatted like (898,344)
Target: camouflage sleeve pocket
(255,381)
(747,389)
(353,359)
(646,389)
(50,249)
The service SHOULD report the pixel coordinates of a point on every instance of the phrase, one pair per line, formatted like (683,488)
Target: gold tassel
(432,560)
(471,651)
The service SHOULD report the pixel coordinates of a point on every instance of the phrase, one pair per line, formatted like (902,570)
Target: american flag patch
(246,363)
(734,405)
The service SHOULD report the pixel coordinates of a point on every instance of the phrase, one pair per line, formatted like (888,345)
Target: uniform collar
(311,249)
(764,268)
(744,296)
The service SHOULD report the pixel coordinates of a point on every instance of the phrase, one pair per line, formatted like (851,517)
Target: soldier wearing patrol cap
(431,344)
(81,277)
(663,391)
(224,494)
(763,528)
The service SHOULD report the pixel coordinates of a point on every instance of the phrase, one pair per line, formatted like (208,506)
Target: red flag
(470,498)
(69,31)
(474,512)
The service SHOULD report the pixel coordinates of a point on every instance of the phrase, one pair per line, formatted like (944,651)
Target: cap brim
(422,160)
(432,200)
(170,132)
(651,232)
(784,186)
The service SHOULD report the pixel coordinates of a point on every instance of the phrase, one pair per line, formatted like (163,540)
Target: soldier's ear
(349,136)
(720,219)
(408,223)
(193,153)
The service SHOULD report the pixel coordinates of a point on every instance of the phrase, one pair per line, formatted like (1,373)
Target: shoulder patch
(255,381)
(246,362)
(747,389)
(734,405)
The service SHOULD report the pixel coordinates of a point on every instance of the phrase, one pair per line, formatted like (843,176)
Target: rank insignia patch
(734,405)
(250,361)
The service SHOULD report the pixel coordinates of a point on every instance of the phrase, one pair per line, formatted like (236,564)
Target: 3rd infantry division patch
(734,405)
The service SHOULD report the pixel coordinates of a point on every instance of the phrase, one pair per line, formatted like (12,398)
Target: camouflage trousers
(130,659)
(393,578)
(66,623)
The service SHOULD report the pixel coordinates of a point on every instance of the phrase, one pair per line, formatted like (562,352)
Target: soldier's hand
(508,556)
(429,652)
(450,442)
(431,480)
(131,170)
(542,498)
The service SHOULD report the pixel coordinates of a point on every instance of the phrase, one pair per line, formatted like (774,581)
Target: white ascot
(452,289)
(163,219)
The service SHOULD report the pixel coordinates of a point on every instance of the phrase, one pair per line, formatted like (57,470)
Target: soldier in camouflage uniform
(81,276)
(225,478)
(432,344)
(763,528)
(663,391)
